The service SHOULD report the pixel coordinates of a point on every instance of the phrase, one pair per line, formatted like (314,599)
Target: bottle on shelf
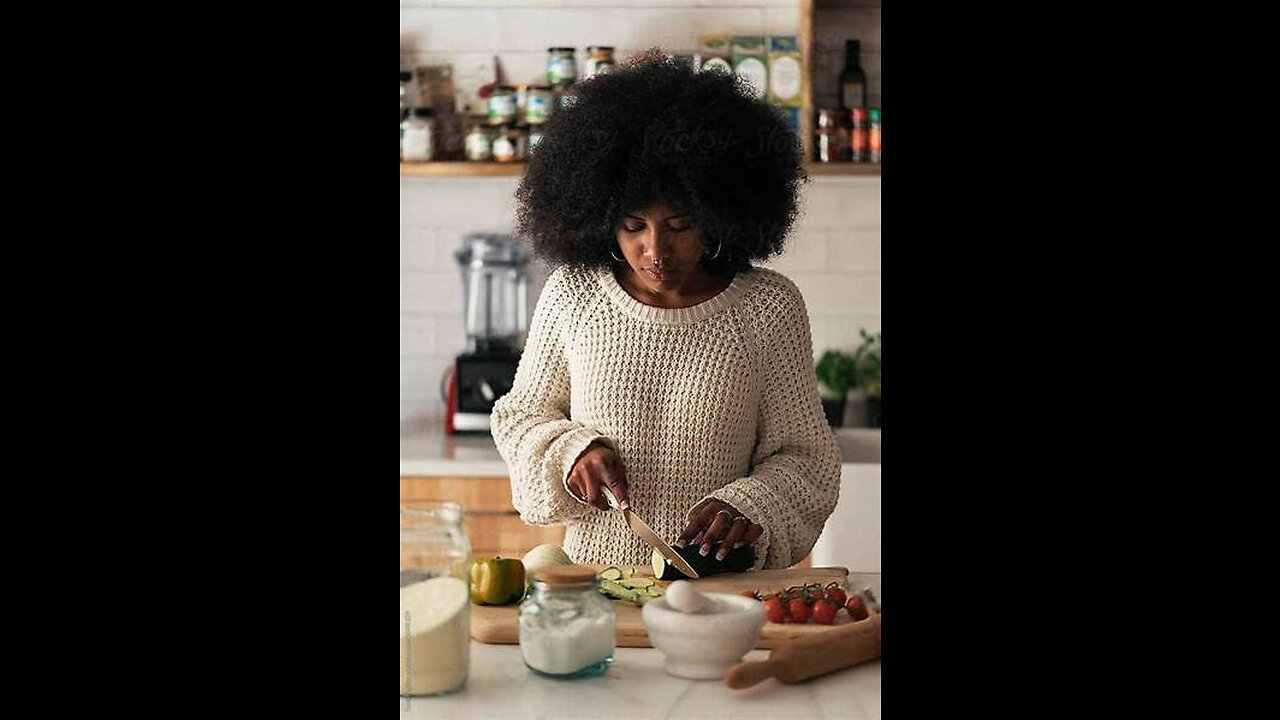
(874,114)
(853,81)
(858,135)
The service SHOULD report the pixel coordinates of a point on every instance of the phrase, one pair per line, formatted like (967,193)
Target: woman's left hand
(720,527)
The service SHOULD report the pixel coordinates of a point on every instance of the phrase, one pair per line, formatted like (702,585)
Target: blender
(495,311)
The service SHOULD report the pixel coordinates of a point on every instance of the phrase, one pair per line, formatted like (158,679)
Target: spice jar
(562,67)
(568,630)
(502,105)
(832,142)
(504,146)
(538,104)
(435,599)
(874,119)
(858,135)
(478,144)
(599,61)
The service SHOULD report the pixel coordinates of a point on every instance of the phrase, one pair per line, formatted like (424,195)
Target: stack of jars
(511,125)
(515,114)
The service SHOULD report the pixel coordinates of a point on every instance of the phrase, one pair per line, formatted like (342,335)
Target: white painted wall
(835,254)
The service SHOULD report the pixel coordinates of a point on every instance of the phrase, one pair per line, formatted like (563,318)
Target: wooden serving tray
(500,625)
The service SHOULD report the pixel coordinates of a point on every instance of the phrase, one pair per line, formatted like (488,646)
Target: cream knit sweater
(718,400)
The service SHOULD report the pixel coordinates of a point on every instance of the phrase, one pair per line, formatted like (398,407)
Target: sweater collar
(672,316)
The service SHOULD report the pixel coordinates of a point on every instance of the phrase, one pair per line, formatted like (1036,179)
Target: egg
(683,596)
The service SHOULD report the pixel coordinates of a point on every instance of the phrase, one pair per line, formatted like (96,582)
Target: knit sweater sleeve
(795,478)
(531,424)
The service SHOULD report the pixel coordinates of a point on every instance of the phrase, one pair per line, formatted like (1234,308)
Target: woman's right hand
(597,468)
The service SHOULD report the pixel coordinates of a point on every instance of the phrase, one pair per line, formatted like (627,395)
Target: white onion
(543,557)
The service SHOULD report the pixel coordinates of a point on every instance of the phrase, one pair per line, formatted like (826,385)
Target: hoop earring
(719,249)
(615,257)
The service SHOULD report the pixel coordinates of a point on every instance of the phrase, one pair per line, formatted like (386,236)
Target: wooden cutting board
(500,625)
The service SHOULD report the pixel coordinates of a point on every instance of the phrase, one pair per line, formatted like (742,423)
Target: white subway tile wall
(834,255)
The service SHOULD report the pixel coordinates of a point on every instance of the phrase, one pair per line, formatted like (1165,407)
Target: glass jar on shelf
(502,106)
(599,61)
(538,105)
(417,136)
(562,65)
(479,144)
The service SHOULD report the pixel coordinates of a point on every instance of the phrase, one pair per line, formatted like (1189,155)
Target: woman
(660,363)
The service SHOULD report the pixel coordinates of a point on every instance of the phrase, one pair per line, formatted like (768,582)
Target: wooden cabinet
(493,525)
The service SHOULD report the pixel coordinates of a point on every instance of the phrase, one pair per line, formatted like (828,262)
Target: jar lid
(567,577)
(503,88)
(606,48)
(874,114)
(540,87)
(423,112)
(562,49)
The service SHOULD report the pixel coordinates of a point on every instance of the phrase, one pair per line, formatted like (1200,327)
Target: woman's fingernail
(738,545)
(679,544)
(720,556)
(625,505)
(705,551)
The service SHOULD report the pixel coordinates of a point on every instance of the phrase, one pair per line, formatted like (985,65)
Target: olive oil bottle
(853,81)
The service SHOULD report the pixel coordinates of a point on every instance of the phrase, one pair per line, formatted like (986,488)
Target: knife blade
(646,533)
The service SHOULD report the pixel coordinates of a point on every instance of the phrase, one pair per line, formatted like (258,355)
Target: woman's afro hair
(656,131)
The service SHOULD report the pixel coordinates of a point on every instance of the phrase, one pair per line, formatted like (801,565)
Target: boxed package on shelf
(749,57)
(715,53)
(438,92)
(786,76)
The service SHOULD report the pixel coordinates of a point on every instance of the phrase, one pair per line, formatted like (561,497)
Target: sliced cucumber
(611,573)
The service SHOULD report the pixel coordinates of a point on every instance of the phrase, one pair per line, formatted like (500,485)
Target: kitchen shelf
(842,169)
(496,169)
(461,169)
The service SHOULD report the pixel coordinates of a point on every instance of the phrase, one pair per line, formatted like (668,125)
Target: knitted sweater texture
(718,400)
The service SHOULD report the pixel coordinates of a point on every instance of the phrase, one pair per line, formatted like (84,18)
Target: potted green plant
(838,373)
(868,361)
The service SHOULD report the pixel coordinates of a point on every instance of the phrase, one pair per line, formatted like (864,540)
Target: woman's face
(663,248)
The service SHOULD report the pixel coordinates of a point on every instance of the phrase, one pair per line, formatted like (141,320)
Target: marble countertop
(425,451)
(636,687)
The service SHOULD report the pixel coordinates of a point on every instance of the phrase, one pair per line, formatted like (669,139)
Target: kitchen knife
(646,533)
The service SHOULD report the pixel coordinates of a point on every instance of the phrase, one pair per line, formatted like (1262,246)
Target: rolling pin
(813,657)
